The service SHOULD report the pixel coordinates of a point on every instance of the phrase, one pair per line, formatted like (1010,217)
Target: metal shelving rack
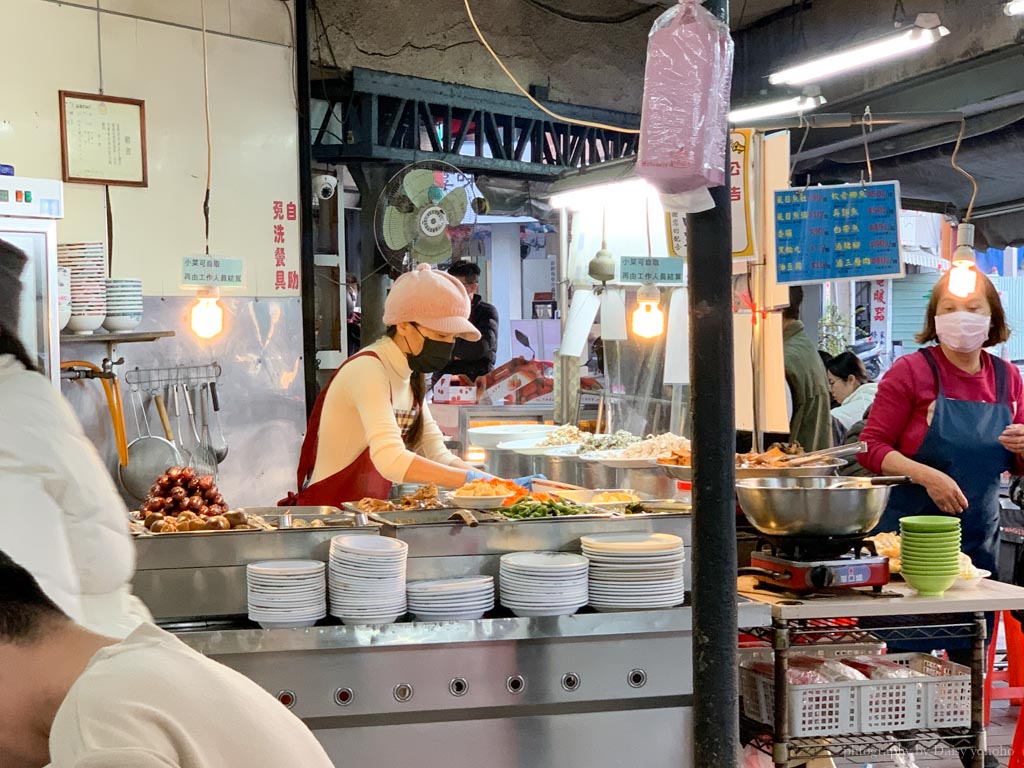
(784,635)
(898,613)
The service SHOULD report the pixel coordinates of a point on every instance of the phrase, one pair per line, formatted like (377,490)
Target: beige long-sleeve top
(359,412)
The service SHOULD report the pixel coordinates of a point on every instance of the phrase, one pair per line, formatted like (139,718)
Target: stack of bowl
(930,553)
(88,265)
(124,305)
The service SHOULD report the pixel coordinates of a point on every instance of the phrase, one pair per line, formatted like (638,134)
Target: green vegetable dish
(528,508)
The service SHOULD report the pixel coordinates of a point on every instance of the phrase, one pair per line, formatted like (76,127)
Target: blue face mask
(434,356)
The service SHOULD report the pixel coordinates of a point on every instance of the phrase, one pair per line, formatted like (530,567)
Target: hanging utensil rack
(189,375)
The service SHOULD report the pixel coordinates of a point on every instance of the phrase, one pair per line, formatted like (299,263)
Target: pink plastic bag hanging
(685,119)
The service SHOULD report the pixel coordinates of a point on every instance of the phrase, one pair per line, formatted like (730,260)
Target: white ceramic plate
(287,567)
(493,436)
(370,545)
(545,561)
(614,459)
(471,615)
(632,542)
(526,613)
(442,585)
(531,447)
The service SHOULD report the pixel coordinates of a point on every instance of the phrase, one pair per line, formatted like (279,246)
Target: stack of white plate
(451,599)
(286,593)
(64,296)
(632,571)
(543,583)
(88,265)
(124,304)
(367,579)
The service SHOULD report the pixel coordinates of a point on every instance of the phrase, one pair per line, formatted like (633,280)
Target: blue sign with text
(841,232)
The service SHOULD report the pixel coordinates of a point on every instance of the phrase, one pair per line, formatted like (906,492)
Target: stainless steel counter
(896,599)
(602,690)
(182,576)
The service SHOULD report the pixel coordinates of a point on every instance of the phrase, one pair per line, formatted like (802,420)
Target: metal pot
(811,506)
(594,474)
(559,468)
(650,480)
(508,464)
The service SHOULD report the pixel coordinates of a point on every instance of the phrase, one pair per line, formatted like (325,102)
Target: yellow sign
(739,192)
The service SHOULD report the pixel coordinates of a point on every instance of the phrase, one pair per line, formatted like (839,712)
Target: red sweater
(899,416)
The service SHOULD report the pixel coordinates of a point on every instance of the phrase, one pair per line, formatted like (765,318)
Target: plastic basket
(940,700)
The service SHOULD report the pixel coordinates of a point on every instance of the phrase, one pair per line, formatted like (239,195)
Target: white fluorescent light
(793,106)
(599,195)
(900,43)
(1014,8)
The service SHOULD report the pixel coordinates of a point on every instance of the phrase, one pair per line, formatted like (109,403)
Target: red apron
(358,480)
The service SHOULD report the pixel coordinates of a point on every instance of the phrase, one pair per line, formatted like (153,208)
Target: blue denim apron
(963,442)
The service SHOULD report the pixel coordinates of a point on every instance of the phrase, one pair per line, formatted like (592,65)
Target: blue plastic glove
(476,474)
(527,482)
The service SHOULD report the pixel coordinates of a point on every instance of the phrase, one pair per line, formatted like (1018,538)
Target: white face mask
(963,331)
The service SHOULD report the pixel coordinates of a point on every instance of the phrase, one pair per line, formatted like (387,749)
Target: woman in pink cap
(370,426)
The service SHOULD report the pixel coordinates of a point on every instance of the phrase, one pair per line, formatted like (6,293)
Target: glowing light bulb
(963,279)
(207,317)
(648,319)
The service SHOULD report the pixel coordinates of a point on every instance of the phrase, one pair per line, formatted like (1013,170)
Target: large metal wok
(814,506)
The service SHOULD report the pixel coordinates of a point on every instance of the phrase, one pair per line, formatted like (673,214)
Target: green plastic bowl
(930,523)
(931,538)
(930,585)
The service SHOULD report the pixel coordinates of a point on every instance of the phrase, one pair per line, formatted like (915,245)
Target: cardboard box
(503,382)
(455,390)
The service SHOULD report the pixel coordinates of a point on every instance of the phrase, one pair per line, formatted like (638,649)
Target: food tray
(941,700)
(685,474)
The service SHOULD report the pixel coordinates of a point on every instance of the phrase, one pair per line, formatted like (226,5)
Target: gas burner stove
(814,564)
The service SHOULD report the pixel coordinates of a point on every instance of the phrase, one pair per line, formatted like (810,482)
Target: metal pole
(307,283)
(716,696)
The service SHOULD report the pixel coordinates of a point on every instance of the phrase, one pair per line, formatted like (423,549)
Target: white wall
(152,50)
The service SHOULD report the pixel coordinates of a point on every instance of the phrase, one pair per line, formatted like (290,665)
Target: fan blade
(454,206)
(432,250)
(398,228)
(416,184)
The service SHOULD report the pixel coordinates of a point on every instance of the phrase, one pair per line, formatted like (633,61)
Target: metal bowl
(818,470)
(810,506)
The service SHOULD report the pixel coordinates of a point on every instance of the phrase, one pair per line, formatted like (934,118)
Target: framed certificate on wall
(103,139)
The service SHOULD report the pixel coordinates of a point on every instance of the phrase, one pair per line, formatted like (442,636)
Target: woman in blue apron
(949,417)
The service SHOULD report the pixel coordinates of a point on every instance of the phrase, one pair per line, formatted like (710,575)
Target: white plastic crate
(941,700)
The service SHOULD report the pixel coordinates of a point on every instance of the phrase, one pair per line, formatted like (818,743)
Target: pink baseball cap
(433,299)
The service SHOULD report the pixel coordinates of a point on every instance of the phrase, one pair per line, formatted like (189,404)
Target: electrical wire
(807,130)
(334,62)
(865,126)
(209,138)
(974,182)
(585,19)
(528,95)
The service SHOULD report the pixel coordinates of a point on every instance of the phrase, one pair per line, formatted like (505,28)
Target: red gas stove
(814,564)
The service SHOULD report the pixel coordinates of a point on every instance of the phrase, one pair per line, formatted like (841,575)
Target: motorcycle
(870,353)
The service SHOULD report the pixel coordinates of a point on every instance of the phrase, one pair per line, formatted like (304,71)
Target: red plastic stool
(1014,674)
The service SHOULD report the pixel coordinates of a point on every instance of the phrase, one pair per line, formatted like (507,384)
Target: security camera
(324,186)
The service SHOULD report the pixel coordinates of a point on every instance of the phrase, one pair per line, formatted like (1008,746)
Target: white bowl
(85,324)
(64,315)
(122,324)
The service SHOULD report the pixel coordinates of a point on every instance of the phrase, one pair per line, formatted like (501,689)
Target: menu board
(103,139)
(840,232)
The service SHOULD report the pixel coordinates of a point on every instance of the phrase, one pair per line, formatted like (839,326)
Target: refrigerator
(29,211)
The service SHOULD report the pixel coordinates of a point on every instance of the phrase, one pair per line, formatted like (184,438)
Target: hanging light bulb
(207,317)
(648,319)
(963,277)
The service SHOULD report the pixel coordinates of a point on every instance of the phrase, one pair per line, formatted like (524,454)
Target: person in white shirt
(76,699)
(850,387)
(63,518)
